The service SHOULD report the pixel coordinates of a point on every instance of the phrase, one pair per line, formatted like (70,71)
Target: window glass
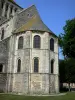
(19,65)
(20,42)
(52,44)
(36,41)
(1,67)
(52,66)
(2,35)
(36,64)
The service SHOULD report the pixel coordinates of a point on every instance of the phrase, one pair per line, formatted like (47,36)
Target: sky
(54,13)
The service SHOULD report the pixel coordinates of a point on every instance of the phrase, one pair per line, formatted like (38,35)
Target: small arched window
(19,65)
(2,35)
(20,42)
(1,67)
(52,66)
(7,7)
(36,64)
(36,42)
(15,9)
(2,3)
(52,44)
(11,8)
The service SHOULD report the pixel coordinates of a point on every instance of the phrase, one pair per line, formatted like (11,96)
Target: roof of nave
(33,23)
(13,1)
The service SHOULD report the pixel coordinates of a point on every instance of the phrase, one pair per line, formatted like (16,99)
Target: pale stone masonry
(19,71)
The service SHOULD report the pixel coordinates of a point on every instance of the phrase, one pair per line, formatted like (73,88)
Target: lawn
(68,96)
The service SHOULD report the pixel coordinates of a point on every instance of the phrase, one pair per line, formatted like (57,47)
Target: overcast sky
(54,13)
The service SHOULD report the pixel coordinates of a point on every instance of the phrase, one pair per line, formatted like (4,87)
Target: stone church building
(28,51)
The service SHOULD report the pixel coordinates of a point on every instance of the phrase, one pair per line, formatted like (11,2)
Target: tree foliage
(62,71)
(67,71)
(67,40)
(70,70)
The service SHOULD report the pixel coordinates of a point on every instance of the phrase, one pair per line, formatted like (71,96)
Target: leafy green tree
(67,40)
(70,71)
(67,71)
(62,71)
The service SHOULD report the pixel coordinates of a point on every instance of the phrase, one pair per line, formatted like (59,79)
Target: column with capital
(13,11)
(8,12)
(4,9)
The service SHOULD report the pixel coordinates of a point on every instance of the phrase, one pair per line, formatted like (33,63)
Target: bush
(64,89)
(1,91)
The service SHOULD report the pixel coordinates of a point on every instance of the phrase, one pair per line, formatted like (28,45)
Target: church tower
(8,8)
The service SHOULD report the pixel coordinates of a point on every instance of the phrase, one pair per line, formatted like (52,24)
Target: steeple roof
(33,23)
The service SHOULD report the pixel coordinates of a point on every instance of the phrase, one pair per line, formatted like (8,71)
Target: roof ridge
(25,9)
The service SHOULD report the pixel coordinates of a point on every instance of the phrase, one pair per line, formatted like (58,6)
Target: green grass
(68,96)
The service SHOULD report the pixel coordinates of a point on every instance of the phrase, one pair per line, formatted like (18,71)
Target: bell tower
(8,8)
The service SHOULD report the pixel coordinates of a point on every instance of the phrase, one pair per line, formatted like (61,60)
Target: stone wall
(3,82)
(20,83)
(27,81)
(4,49)
(39,83)
(43,81)
(8,28)
(2,19)
(20,80)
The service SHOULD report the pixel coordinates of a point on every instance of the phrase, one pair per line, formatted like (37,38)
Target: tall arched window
(52,44)
(1,67)
(2,35)
(20,42)
(19,65)
(2,3)
(36,42)
(36,64)
(52,66)
(11,9)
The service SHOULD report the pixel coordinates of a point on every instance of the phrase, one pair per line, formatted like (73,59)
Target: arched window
(2,35)
(7,7)
(52,44)
(11,8)
(19,65)
(52,66)
(37,41)
(15,9)
(1,67)
(20,42)
(36,64)
(2,3)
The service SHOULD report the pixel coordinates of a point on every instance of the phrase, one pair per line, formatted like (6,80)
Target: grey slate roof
(39,25)
(34,22)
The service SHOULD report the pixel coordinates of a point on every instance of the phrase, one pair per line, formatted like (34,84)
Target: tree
(67,40)
(67,44)
(62,74)
(62,71)
(70,71)
(67,71)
